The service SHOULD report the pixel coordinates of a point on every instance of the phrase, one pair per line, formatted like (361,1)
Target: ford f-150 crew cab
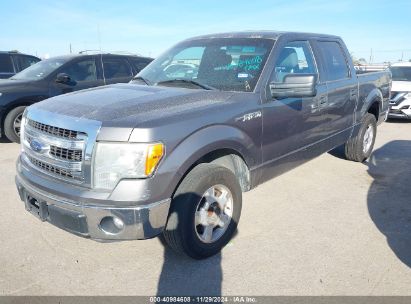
(171,152)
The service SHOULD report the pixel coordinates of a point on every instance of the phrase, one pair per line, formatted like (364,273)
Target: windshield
(40,69)
(227,64)
(401,73)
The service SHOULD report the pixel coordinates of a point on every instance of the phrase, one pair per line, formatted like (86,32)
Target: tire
(359,148)
(10,124)
(192,210)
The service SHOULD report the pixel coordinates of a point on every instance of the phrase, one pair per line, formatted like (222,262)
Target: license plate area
(36,207)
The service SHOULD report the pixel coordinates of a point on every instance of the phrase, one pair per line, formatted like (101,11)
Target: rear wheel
(12,124)
(360,147)
(204,212)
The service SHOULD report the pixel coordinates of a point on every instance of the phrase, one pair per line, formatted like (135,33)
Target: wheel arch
(12,106)
(373,104)
(223,145)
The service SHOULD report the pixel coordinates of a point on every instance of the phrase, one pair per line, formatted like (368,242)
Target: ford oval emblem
(36,146)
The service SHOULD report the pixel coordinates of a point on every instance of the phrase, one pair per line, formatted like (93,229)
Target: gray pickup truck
(171,152)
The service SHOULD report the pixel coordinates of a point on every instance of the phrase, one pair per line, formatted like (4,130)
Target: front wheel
(204,212)
(12,124)
(359,148)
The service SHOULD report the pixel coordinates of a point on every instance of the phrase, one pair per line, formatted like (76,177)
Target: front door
(291,124)
(82,73)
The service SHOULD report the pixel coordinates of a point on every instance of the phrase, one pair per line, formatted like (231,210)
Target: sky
(48,28)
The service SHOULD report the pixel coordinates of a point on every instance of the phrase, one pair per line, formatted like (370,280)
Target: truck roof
(263,34)
(75,55)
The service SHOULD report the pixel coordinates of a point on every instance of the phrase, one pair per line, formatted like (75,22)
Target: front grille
(55,151)
(60,132)
(396,98)
(51,169)
(66,154)
(393,95)
(395,111)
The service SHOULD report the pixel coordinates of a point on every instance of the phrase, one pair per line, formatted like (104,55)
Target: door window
(335,63)
(116,68)
(83,70)
(26,61)
(6,66)
(295,58)
(139,64)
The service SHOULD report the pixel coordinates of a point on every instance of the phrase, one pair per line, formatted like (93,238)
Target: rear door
(342,89)
(116,69)
(6,66)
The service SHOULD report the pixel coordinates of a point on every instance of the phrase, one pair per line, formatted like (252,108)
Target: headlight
(116,161)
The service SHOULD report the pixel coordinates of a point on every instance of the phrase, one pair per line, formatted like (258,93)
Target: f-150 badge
(249,116)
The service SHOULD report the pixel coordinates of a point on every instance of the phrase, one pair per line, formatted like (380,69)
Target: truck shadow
(183,276)
(4,140)
(389,196)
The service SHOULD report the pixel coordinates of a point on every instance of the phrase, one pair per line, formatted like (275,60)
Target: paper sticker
(242,75)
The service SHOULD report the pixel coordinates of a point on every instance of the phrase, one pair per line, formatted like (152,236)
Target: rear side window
(116,68)
(6,65)
(335,63)
(139,64)
(26,61)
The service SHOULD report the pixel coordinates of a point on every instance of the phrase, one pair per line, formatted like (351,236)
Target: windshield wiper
(142,79)
(196,83)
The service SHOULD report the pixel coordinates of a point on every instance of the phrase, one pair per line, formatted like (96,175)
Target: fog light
(111,225)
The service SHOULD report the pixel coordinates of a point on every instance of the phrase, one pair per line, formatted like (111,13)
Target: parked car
(400,102)
(60,75)
(172,156)
(13,62)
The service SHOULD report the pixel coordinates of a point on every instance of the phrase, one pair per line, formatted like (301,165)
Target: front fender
(180,158)
(210,139)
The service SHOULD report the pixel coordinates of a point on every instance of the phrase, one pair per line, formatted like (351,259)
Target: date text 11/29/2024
(203,299)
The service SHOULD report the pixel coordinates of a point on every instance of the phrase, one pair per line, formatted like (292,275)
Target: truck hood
(401,86)
(132,105)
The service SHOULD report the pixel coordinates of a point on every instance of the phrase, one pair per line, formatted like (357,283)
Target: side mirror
(295,85)
(63,78)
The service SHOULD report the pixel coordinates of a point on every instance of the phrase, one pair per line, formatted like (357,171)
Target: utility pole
(371,59)
(70,49)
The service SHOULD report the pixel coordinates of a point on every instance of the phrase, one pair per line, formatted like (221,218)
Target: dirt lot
(330,227)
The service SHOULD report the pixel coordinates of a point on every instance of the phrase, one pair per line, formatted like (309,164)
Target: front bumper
(400,107)
(400,112)
(98,222)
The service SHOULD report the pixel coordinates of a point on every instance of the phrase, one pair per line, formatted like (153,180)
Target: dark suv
(14,62)
(60,75)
